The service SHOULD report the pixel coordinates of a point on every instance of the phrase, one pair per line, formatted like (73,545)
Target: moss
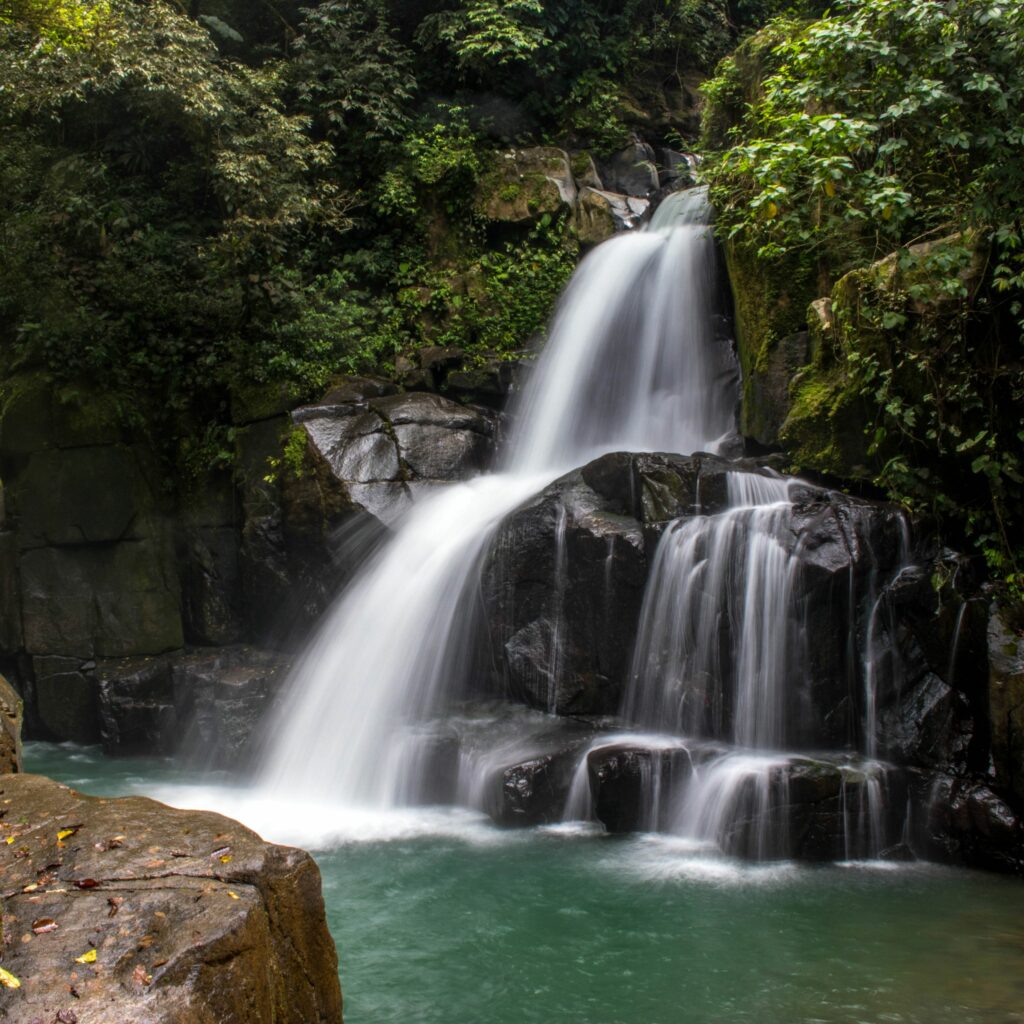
(770,301)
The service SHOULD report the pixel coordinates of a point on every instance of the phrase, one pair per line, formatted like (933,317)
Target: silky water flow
(633,362)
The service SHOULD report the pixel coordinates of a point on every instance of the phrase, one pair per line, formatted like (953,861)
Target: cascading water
(631,364)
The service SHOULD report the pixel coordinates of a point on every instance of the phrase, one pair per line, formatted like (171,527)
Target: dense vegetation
(895,127)
(211,196)
(206,197)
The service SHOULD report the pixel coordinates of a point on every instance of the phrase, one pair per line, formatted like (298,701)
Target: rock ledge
(128,910)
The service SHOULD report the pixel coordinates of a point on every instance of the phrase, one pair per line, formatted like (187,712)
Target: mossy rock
(521,186)
(36,414)
(770,303)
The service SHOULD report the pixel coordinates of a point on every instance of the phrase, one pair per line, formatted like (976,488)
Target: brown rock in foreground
(128,910)
(10,728)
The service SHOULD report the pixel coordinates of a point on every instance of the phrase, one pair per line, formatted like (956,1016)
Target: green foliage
(159,201)
(179,228)
(352,75)
(860,134)
(64,24)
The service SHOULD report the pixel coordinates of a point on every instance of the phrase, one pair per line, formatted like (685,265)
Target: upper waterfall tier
(636,359)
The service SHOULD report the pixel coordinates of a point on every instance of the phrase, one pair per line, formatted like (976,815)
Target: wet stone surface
(127,910)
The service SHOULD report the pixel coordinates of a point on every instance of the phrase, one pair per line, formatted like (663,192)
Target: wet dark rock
(161,915)
(562,587)
(204,705)
(632,171)
(534,792)
(965,821)
(66,699)
(930,725)
(625,781)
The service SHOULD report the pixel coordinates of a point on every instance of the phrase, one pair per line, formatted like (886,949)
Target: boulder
(10,730)
(119,910)
(523,185)
(627,782)
(563,584)
(675,169)
(204,706)
(964,821)
(371,457)
(600,214)
(632,171)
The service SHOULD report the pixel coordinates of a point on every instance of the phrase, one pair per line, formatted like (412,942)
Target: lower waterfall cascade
(731,725)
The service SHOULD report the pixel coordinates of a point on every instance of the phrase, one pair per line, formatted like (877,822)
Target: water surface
(440,918)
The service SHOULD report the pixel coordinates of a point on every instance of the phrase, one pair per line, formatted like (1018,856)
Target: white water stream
(631,364)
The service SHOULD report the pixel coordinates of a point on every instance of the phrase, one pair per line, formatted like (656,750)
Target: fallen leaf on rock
(10,839)
(86,958)
(86,883)
(68,830)
(140,976)
(158,963)
(8,980)
(226,859)
(146,941)
(43,925)
(31,888)
(234,895)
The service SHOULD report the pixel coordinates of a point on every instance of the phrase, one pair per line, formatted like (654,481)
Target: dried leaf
(8,980)
(234,895)
(86,958)
(31,888)
(42,925)
(68,830)
(86,883)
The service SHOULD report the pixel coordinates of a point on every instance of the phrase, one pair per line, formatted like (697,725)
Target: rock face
(566,576)
(563,586)
(380,453)
(203,706)
(127,910)
(97,566)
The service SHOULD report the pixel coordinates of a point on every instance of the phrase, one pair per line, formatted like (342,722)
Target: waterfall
(716,613)
(632,363)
